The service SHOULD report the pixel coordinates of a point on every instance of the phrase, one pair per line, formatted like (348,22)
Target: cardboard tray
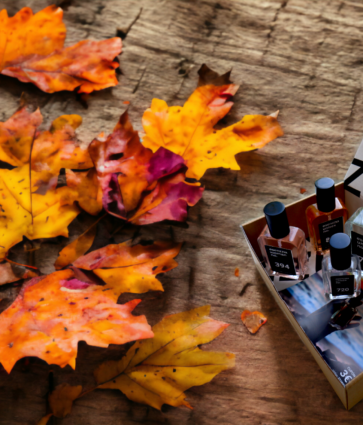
(352,392)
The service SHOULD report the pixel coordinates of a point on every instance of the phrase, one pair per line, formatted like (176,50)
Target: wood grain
(302,57)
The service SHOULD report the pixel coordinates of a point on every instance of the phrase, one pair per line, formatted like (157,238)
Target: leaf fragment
(61,399)
(158,371)
(12,272)
(77,248)
(253,320)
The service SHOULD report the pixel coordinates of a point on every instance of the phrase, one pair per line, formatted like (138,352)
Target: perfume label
(342,285)
(357,245)
(281,260)
(328,229)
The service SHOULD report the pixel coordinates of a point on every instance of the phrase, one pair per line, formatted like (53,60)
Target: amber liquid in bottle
(283,247)
(327,217)
(294,242)
(315,218)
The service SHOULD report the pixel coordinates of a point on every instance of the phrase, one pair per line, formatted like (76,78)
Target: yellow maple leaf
(26,213)
(189,130)
(157,371)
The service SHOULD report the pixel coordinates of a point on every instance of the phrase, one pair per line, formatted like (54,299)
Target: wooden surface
(303,57)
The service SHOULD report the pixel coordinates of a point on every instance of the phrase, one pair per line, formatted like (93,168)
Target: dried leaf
(31,49)
(137,185)
(189,131)
(77,248)
(131,268)
(236,272)
(253,321)
(45,420)
(23,212)
(89,192)
(158,371)
(52,313)
(302,190)
(27,34)
(61,399)
(12,272)
(30,203)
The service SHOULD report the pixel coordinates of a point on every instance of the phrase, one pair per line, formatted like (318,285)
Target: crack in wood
(138,83)
(124,33)
(272,26)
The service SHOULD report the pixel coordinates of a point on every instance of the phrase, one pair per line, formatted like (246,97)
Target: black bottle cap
(340,251)
(325,194)
(276,218)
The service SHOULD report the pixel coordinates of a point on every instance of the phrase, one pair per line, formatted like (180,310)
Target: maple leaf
(253,320)
(189,131)
(89,192)
(131,268)
(23,212)
(158,371)
(30,203)
(52,313)
(31,49)
(137,185)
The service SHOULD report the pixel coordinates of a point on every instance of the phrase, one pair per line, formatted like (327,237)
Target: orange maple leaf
(52,313)
(189,131)
(31,49)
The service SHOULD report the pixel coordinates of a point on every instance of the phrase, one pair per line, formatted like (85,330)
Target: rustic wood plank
(302,57)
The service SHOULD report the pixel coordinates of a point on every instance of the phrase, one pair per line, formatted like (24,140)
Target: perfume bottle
(341,269)
(327,216)
(354,229)
(283,247)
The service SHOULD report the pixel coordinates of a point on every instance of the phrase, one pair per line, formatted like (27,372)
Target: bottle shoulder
(295,237)
(354,265)
(312,210)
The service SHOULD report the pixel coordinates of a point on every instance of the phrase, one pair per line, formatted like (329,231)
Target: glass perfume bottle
(341,269)
(327,216)
(354,229)
(283,247)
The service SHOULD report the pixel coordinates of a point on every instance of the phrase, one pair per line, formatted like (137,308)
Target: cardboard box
(350,392)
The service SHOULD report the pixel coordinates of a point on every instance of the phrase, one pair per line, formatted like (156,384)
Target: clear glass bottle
(283,247)
(354,229)
(341,269)
(327,216)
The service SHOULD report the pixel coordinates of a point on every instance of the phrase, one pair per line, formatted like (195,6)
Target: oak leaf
(31,49)
(189,130)
(158,371)
(52,313)
(137,185)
